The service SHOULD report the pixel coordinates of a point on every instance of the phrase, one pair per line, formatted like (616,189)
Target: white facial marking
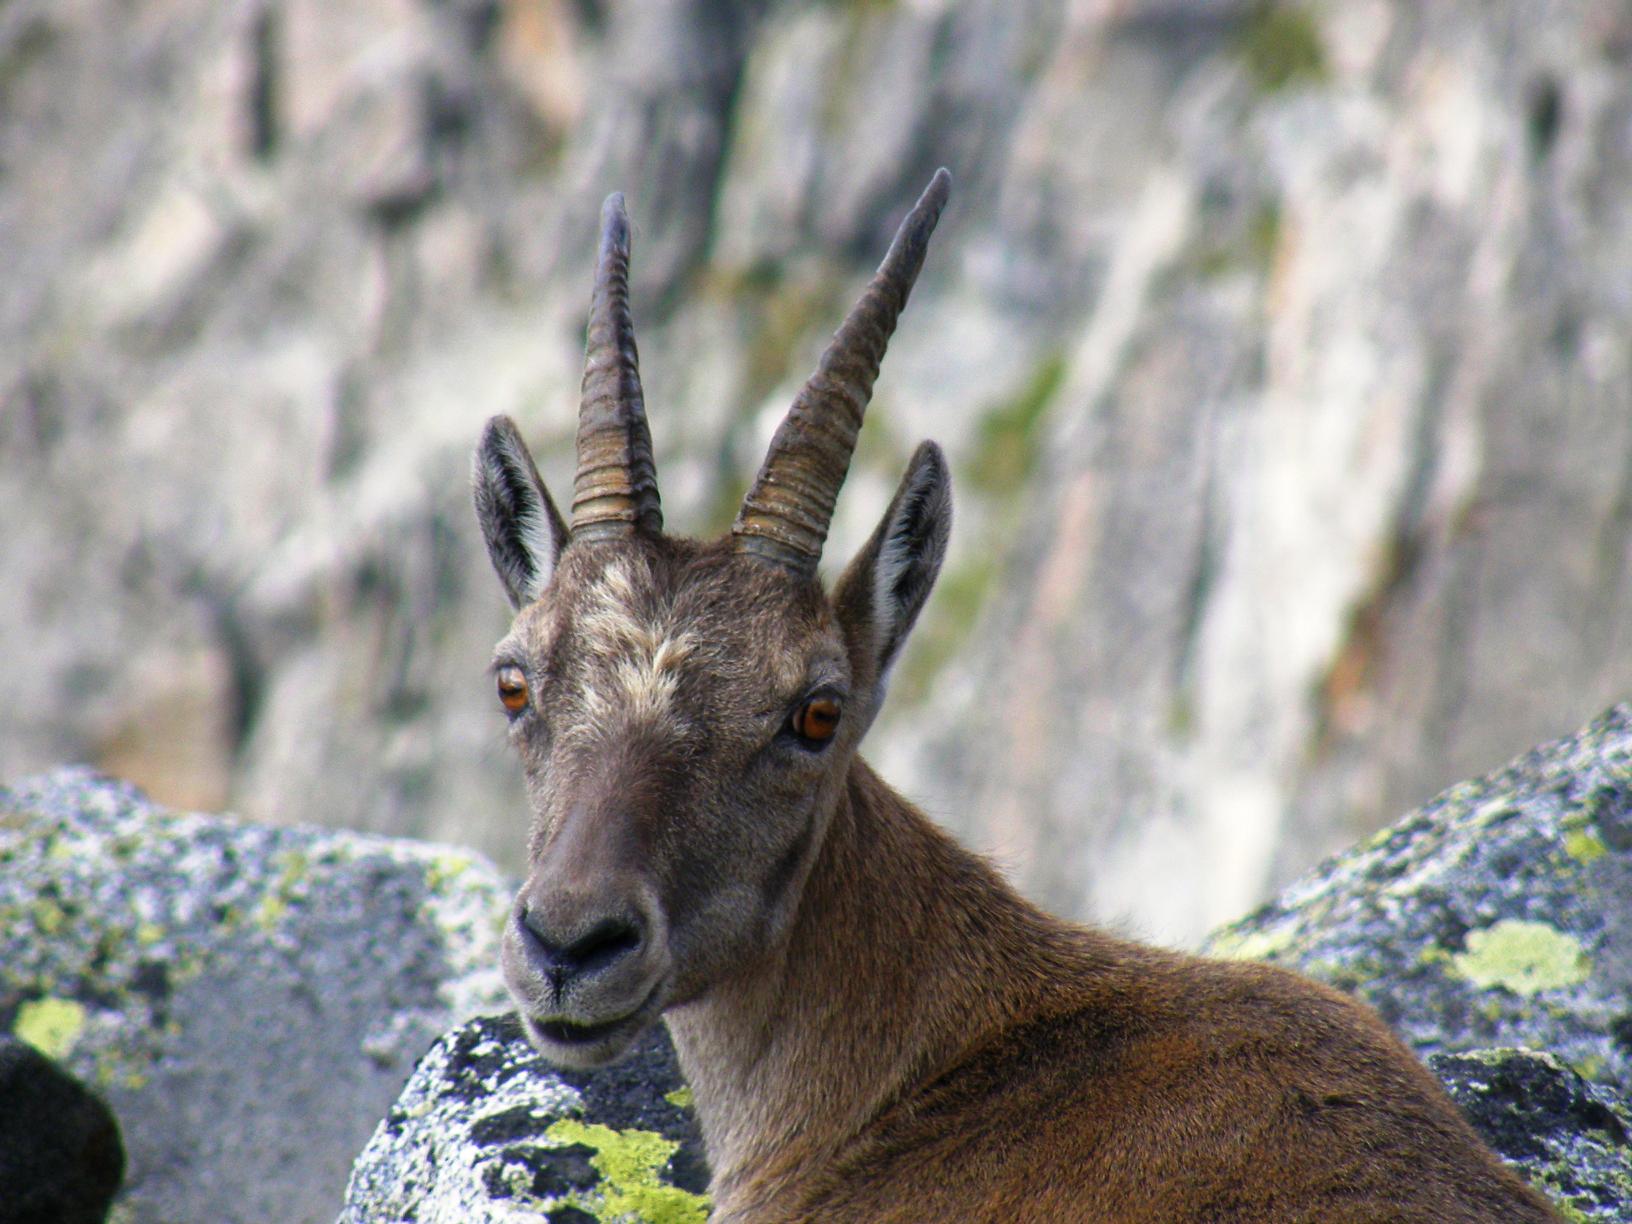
(645,656)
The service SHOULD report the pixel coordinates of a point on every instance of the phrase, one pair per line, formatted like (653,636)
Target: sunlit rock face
(1279,351)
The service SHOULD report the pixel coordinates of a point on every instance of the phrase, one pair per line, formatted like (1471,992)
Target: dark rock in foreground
(1571,1138)
(61,1160)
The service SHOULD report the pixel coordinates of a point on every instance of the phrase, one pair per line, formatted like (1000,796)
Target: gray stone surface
(1278,350)
(248,1000)
(1500,914)
(486,1131)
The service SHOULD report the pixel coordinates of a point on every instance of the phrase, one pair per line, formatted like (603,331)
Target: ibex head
(686,712)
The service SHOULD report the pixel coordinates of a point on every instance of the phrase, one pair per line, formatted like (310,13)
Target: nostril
(533,928)
(605,942)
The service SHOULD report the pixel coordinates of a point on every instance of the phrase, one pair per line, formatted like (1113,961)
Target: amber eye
(512,689)
(817,720)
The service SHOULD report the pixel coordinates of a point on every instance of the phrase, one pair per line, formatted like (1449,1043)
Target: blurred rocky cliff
(1282,352)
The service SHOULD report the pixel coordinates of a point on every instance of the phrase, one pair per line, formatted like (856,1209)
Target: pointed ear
(523,529)
(885,587)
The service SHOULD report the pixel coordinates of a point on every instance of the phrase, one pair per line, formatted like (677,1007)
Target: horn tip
(614,223)
(935,195)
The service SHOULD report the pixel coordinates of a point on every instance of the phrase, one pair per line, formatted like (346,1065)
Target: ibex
(875,1026)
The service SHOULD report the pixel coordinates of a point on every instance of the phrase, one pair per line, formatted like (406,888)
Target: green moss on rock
(244,996)
(1568,1137)
(1009,439)
(948,621)
(1282,46)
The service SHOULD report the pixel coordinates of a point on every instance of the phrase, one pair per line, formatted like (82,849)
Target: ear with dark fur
(524,531)
(885,587)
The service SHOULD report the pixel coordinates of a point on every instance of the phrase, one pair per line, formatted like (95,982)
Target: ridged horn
(786,513)
(615,490)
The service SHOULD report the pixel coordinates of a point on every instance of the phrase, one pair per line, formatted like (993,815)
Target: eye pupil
(817,720)
(512,689)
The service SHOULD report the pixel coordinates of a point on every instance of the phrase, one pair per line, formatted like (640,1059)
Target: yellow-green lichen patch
(49,917)
(294,868)
(444,869)
(1244,247)
(1250,945)
(273,906)
(629,1162)
(1590,1066)
(680,1098)
(1584,846)
(1523,957)
(50,1025)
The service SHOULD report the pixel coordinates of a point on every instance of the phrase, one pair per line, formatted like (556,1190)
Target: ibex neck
(906,953)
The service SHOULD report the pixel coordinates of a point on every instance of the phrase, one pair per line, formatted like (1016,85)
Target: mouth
(589,1045)
(566,1033)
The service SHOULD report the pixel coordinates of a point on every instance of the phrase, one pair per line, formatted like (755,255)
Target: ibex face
(686,713)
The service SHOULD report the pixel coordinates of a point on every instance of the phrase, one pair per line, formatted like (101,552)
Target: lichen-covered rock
(486,1131)
(60,1156)
(1571,1138)
(247,999)
(1500,914)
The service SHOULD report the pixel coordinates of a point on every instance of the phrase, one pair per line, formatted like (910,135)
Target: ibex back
(875,1026)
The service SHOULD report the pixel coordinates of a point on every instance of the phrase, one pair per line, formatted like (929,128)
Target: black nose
(579,953)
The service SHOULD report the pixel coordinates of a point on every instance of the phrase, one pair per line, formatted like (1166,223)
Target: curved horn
(786,513)
(615,490)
